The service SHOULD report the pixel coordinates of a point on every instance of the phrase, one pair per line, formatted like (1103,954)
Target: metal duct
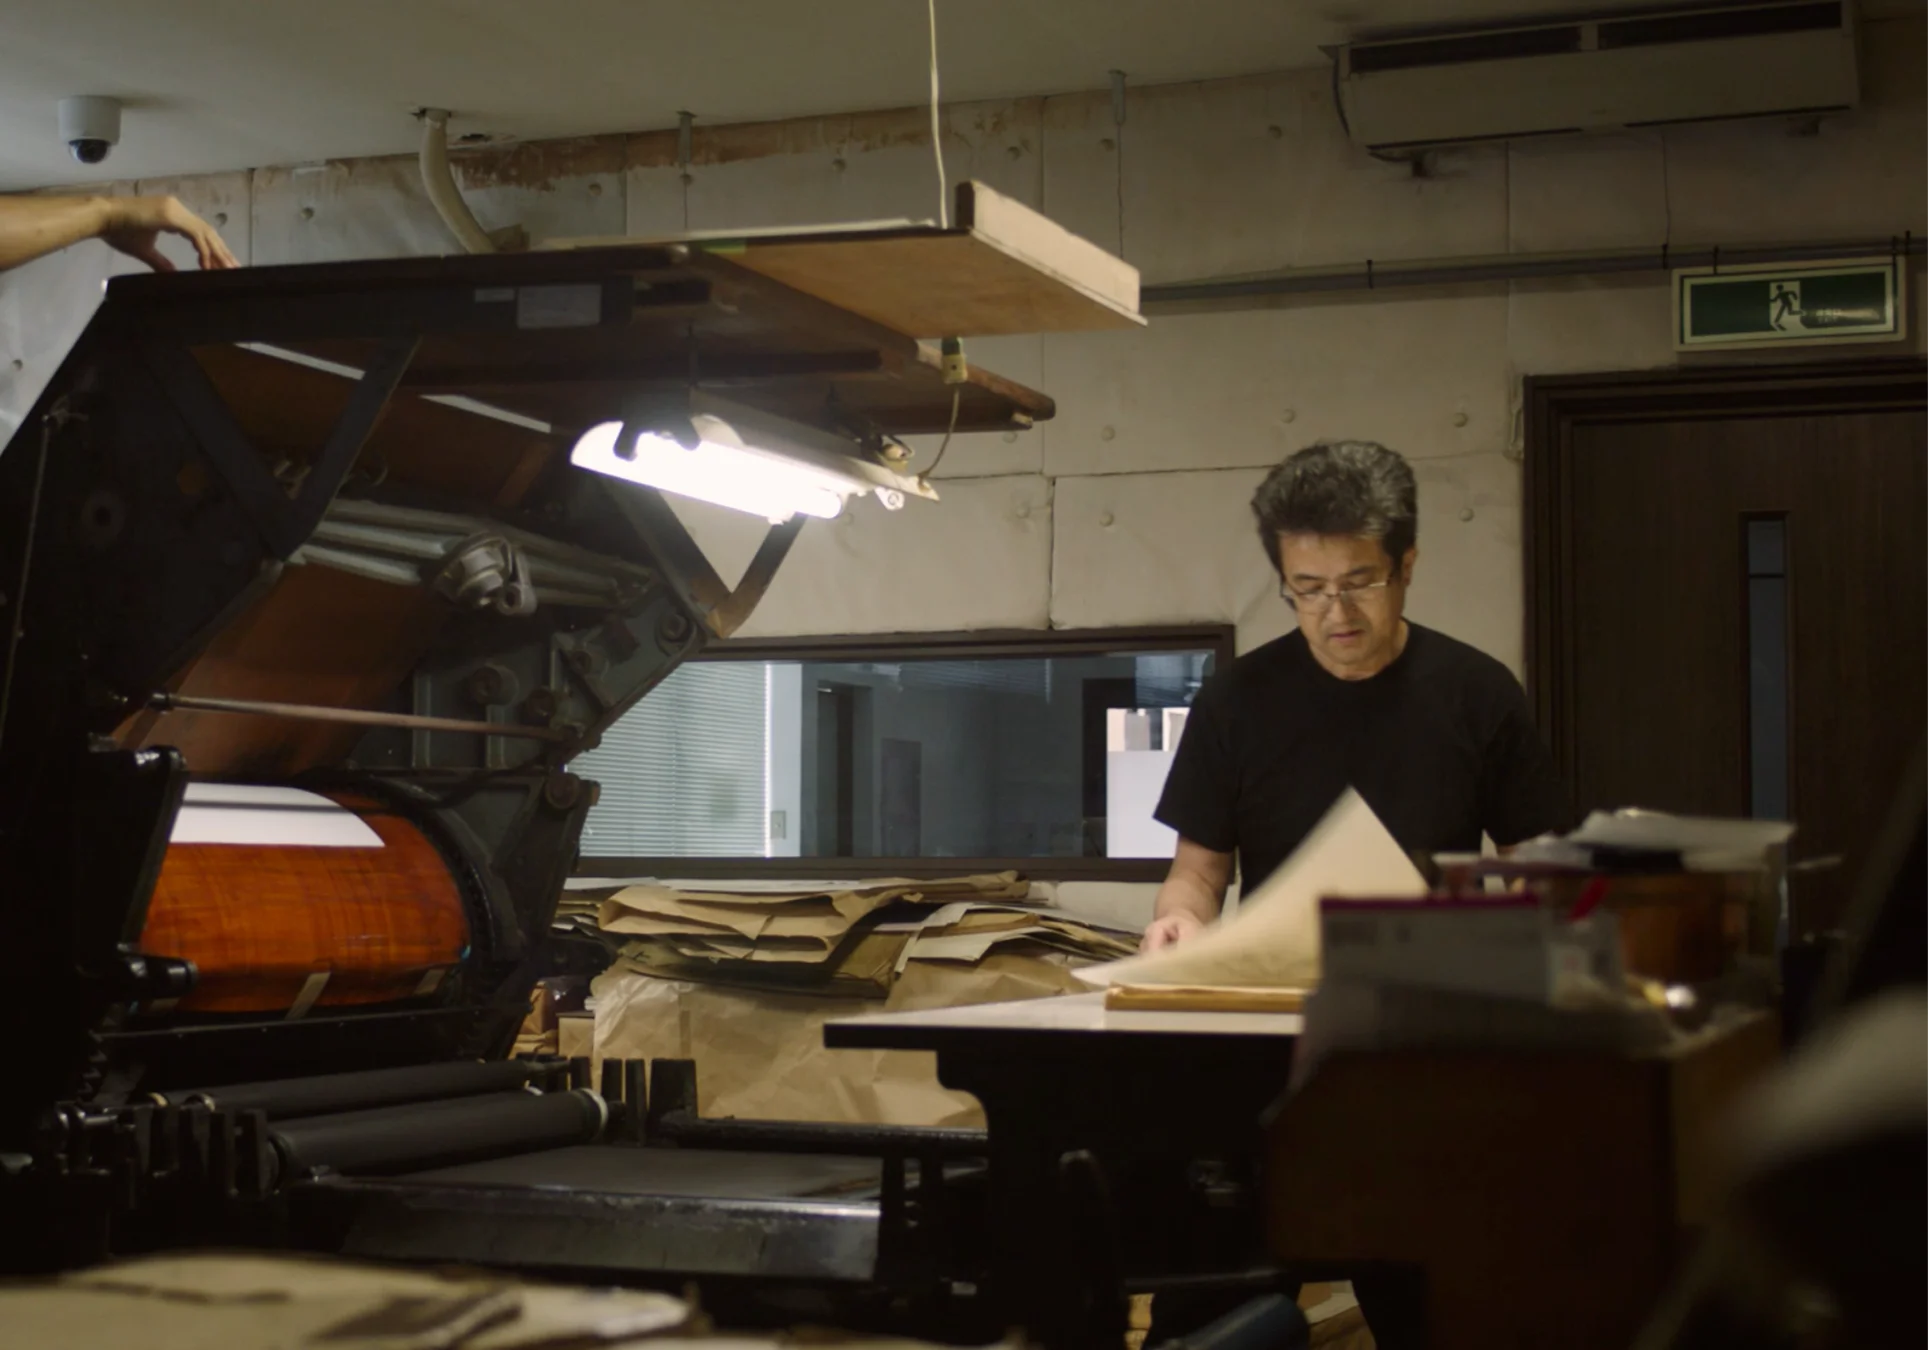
(1371,275)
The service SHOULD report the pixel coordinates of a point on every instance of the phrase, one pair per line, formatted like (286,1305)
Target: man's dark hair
(1340,488)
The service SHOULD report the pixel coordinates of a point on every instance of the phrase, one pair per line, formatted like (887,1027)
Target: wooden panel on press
(286,411)
(262,922)
(320,636)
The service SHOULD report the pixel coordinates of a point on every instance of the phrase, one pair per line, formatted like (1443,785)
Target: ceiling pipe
(1371,275)
(438,179)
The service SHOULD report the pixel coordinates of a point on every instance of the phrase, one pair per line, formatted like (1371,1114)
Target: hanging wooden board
(1001,269)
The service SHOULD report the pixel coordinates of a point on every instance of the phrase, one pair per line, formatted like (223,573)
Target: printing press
(307,611)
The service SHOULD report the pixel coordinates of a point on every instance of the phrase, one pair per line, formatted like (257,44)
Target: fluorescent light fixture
(743,459)
(715,471)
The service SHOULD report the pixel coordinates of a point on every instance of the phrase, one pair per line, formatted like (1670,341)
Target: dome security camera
(90,125)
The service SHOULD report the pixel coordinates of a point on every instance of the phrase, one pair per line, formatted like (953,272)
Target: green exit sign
(1789,305)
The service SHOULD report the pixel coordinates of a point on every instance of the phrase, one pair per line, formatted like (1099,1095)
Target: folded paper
(1272,941)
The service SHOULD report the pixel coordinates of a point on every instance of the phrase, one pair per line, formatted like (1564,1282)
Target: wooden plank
(1048,246)
(1200,998)
(938,284)
(915,400)
(1003,269)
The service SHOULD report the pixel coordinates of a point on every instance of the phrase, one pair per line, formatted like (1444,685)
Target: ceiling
(229,84)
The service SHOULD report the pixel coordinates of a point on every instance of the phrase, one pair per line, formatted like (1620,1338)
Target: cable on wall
(937,134)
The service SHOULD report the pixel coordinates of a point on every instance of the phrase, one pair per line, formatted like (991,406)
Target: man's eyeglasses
(1318,602)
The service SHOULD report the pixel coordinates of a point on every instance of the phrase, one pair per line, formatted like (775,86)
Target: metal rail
(1374,275)
(361,717)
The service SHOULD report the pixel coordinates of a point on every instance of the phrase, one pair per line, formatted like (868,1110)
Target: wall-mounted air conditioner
(1678,65)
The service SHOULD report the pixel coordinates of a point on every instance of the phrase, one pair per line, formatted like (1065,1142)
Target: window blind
(682,773)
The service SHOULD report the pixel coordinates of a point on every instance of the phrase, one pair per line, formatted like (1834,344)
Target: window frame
(1219,639)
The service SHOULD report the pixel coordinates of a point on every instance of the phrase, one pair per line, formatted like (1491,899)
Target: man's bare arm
(31,227)
(34,226)
(1193,894)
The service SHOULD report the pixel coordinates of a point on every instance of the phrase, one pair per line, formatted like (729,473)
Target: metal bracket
(350,433)
(729,616)
(282,524)
(486,570)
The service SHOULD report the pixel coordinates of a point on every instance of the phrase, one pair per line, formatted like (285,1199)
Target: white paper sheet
(242,813)
(1273,939)
(1705,843)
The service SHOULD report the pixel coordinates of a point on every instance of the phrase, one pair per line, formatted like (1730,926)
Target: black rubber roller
(435,1134)
(325,1093)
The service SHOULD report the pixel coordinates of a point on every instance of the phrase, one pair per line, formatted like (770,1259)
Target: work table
(1122,1144)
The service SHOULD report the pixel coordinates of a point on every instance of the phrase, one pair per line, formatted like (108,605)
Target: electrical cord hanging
(957,397)
(937,135)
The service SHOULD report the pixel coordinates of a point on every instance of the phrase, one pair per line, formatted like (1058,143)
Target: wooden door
(1728,577)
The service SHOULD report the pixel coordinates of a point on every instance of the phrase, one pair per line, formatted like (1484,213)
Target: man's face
(1357,634)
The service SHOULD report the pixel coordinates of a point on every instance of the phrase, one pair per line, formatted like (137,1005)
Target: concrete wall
(1130,507)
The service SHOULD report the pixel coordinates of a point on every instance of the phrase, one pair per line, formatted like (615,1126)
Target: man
(1435,735)
(33,226)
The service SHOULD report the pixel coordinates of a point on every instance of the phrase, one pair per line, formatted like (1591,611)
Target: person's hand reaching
(1169,931)
(135,225)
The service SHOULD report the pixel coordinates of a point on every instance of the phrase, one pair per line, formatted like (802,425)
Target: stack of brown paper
(853,939)
(742,981)
(538,1035)
(760,1054)
(968,932)
(778,925)
(578,907)
(863,967)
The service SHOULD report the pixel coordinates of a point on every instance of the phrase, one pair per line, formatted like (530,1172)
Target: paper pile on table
(1272,941)
(846,938)
(760,1055)
(742,979)
(747,922)
(1634,839)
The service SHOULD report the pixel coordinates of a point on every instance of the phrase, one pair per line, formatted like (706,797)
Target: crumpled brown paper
(820,916)
(537,1035)
(576,1035)
(761,1055)
(865,970)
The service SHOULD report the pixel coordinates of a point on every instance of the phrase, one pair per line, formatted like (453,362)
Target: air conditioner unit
(1646,69)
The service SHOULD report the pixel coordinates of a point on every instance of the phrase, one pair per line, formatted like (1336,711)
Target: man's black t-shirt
(1439,743)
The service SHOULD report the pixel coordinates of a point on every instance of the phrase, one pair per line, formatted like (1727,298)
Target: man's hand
(1169,931)
(1193,894)
(134,226)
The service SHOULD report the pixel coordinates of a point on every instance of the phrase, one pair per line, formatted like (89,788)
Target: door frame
(1556,404)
